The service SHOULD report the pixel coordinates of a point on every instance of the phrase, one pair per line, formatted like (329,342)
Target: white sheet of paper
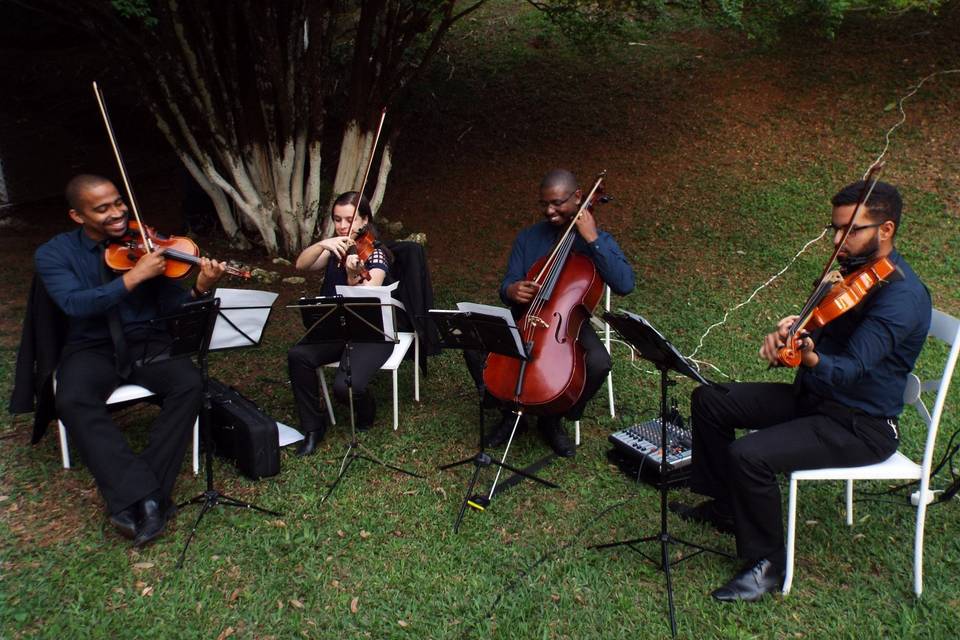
(381,292)
(287,434)
(236,305)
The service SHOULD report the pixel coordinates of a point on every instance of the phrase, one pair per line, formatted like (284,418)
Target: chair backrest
(946,328)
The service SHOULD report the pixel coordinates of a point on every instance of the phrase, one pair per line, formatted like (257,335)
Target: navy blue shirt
(867,353)
(537,241)
(69,265)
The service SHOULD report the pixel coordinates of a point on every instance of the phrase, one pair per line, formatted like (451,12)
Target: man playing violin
(840,411)
(109,327)
(560,199)
(341,266)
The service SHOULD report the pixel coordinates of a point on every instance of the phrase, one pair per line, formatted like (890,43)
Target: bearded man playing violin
(560,200)
(109,325)
(840,411)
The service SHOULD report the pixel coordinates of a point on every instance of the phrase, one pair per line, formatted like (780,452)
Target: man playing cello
(560,200)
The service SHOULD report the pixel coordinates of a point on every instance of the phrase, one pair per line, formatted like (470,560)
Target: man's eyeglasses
(853,230)
(556,204)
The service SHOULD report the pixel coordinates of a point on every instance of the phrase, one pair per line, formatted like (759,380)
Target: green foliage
(136,9)
(590,22)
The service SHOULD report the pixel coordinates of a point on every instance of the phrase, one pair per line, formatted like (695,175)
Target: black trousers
(85,379)
(792,431)
(597,361)
(365,360)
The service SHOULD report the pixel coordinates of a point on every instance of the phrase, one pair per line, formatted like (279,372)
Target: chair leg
(576,433)
(64,448)
(791,535)
(849,503)
(613,412)
(196,446)
(918,545)
(416,367)
(396,404)
(326,396)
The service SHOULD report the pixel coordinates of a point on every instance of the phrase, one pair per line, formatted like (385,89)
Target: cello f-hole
(559,330)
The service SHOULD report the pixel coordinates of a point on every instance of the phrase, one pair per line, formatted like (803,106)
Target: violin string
(903,114)
(887,138)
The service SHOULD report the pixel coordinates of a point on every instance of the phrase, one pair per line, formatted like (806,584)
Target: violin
(363,247)
(834,295)
(122,254)
(183,253)
(842,295)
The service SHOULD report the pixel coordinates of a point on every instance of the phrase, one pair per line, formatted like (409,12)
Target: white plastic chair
(400,350)
(606,343)
(897,466)
(125,393)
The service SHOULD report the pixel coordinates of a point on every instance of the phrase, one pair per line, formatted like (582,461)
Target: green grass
(523,569)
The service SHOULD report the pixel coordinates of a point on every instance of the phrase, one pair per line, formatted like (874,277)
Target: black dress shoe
(711,512)
(765,576)
(125,521)
(501,433)
(309,443)
(153,520)
(552,430)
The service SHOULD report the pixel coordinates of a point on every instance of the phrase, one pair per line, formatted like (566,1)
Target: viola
(551,380)
(181,252)
(841,296)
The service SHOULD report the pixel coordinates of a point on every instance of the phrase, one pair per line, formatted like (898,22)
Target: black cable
(524,573)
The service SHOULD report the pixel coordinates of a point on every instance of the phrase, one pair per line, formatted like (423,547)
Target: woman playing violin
(343,264)
(841,409)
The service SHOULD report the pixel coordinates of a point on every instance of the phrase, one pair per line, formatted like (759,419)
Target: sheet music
(248,309)
(384,294)
(497,312)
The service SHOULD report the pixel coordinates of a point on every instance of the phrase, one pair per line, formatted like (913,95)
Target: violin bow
(366,171)
(147,244)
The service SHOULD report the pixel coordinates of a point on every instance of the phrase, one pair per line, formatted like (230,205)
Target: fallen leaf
(226,633)
(296,603)
(555,597)
(234,595)
(142,565)
(442,492)
(147,591)
(364,534)
(403,623)
(341,533)
(355,605)
(335,583)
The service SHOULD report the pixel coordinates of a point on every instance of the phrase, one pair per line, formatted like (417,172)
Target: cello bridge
(537,322)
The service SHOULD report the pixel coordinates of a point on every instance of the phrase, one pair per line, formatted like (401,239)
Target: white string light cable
(903,118)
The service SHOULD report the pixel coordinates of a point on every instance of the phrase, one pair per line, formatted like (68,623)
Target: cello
(551,380)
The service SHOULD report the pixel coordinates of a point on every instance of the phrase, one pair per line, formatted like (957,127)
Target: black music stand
(190,330)
(493,334)
(653,346)
(347,320)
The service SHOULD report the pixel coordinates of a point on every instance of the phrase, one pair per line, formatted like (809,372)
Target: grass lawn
(723,159)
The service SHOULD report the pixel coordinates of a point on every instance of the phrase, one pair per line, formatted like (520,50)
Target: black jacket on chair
(44,333)
(416,293)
